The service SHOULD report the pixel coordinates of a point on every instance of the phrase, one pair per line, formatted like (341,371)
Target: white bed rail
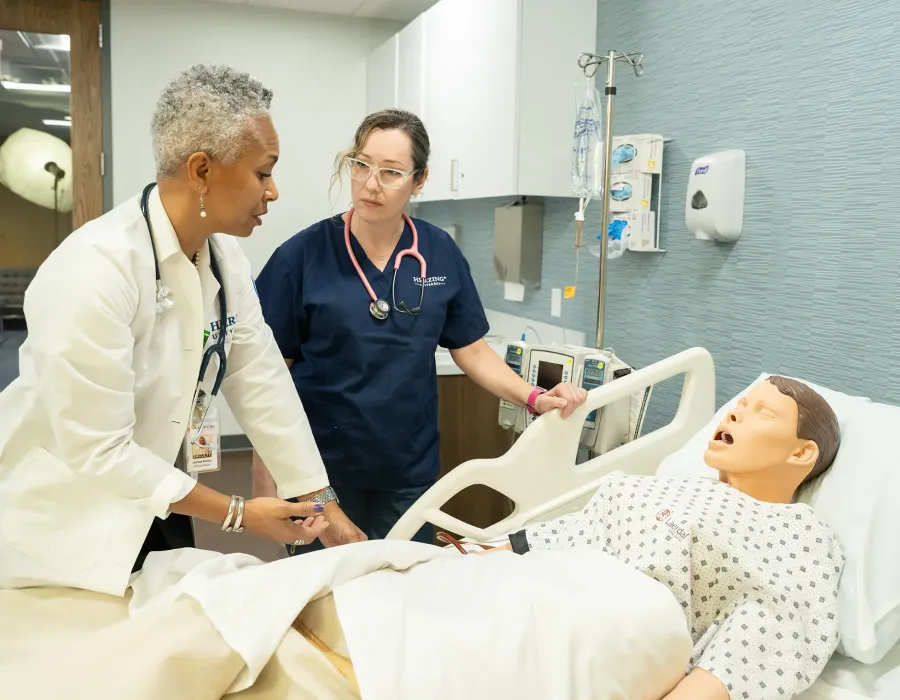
(539,473)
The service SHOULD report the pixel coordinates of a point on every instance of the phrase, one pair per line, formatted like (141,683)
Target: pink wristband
(532,397)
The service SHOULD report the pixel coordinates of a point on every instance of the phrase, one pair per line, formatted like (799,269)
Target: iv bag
(587,175)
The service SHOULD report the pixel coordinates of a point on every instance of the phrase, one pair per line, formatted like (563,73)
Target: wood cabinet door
(467,419)
(53,38)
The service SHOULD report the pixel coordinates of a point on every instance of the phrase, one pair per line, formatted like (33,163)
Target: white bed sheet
(843,678)
(423,622)
(848,679)
(578,624)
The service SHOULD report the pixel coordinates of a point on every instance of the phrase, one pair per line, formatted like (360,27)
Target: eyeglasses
(391,178)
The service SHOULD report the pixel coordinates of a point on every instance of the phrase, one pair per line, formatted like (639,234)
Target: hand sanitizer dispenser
(714,210)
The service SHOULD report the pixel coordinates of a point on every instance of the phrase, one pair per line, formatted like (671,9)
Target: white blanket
(422,622)
(253,604)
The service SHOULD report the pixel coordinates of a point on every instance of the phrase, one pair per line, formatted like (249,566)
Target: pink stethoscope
(379,308)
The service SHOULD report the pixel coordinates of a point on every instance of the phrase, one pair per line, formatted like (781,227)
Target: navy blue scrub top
(369,387)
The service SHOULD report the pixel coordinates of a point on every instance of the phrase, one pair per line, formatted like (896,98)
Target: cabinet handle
(454,176)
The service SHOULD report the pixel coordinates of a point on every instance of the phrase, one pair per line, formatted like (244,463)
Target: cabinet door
(410,71)
(486,107)
(470,88)
(467,419)
(381,77)
(444,41)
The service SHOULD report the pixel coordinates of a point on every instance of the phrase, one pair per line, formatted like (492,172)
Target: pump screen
(549,375)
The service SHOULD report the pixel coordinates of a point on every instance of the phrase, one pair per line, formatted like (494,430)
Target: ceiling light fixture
(61,42)
(58,122)
(35,87)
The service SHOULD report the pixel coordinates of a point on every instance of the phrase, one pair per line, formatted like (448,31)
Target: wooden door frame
(80,19)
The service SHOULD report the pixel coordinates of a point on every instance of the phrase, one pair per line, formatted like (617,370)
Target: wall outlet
(454,233)
(556,302)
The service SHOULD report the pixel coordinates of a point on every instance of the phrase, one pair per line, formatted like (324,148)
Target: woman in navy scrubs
(360,338)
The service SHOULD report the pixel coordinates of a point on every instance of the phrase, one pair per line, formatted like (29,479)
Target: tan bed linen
(65,644)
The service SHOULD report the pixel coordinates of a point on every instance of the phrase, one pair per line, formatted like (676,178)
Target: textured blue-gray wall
(811,92)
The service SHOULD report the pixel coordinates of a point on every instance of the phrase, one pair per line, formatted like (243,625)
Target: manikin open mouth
(724,436)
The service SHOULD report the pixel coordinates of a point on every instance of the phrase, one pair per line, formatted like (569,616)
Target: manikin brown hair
(816,421)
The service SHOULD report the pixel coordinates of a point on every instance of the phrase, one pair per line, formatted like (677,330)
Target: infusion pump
(546,366)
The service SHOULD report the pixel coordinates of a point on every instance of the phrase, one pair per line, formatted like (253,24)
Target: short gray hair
(206,108)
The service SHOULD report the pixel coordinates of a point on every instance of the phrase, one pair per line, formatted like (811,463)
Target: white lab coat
(90,430)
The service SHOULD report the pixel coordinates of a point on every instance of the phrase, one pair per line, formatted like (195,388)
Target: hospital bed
(96,651)
(541,476)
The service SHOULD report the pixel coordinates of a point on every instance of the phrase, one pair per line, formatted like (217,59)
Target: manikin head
(397,142)
(779,436)
(215,145)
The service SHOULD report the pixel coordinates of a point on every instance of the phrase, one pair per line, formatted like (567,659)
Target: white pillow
(857,498)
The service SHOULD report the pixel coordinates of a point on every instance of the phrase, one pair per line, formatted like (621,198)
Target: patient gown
(758,581)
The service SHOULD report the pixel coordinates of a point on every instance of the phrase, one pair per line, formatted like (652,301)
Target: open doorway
(50,144)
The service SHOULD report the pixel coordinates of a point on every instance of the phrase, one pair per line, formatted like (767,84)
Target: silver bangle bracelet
(239,517)
(226,526)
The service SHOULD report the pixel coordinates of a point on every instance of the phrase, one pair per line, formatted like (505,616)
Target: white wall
(315,64)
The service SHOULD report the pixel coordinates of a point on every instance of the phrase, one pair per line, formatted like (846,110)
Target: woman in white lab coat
(120,319)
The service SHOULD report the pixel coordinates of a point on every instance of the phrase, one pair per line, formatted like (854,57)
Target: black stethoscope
(164,301)
(379,308)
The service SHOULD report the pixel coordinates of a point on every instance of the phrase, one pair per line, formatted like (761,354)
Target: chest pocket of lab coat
(63,521)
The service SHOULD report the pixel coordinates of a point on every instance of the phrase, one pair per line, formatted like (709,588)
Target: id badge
(201,445)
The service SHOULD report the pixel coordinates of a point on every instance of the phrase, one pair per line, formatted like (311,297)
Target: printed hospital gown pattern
(757,581)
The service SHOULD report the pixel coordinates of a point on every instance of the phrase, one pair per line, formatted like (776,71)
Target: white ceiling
(398,10)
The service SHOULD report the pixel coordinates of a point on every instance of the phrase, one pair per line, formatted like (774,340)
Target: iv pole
(589,63)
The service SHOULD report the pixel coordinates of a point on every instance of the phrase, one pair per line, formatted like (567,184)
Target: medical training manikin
(756,575)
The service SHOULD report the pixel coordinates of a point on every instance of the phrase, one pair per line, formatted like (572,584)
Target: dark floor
(233,479)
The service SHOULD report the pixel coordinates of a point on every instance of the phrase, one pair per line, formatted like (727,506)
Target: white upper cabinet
(495,82)
(443,40)
(411,74)
(381,76)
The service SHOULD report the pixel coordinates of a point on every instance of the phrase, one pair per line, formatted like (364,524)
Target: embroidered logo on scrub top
(680,531)
(431,281)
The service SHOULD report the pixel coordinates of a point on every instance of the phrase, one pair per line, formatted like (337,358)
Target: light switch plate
(556,302)
(513,291)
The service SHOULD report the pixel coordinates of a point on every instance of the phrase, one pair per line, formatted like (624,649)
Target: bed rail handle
(540,468)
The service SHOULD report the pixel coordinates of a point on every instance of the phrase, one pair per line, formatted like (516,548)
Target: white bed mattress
(846,679)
